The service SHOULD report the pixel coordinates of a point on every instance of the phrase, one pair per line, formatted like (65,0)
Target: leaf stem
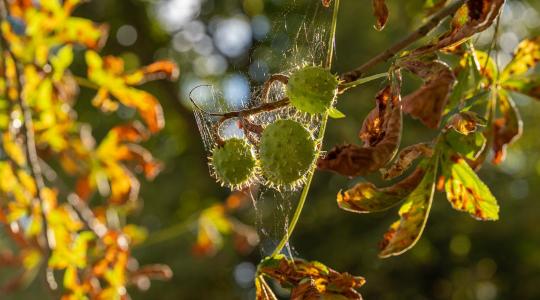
(332,37)
(86,83)
(304,194)
(348,85)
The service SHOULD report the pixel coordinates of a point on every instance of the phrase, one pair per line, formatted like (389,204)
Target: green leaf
(404,233)
(468,79)
(469,146)
(334,113)
(529,86)
(526,56)
(466,191)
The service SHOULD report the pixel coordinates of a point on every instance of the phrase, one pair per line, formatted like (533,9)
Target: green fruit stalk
(287,152)
(312,89)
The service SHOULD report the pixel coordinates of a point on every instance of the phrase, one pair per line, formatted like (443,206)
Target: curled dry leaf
(405,159)
(381,133)
(466,122)
(473,17)
(506,129)
(365,197)
(465,191)
(428,102)
(381,13)
(405,232)
(309,280)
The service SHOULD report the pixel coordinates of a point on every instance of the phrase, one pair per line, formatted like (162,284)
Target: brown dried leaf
(465,122)
(381,133)
(373,130)
(353,160)
(310,280)
(365,197)
(506,129)
(473,17)
(380,11)
(428,102)
(405,159)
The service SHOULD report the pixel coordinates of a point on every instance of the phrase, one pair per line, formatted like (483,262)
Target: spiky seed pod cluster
(234,162)
(312,89)
(287,152)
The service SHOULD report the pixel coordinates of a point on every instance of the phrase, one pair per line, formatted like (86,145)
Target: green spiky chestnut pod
(312,89)
(287,151)
(234,162)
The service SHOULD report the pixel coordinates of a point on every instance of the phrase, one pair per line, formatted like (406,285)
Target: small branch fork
(411,38)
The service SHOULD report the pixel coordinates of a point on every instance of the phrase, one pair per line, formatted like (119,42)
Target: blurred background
(233,45)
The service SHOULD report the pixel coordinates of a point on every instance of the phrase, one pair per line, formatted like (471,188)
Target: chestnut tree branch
(407,41)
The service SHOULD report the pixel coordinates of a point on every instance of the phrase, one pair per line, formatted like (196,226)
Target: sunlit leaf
(163,69)
(526,57)
(365,197)
(466,122)
(473,17)
(310,280)
(465,191)
(506,129)
(108,72)
(404,234)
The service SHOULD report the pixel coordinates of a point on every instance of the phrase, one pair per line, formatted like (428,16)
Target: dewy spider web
(305,26)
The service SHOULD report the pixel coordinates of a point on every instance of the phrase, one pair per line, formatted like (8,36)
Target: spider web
(305,27)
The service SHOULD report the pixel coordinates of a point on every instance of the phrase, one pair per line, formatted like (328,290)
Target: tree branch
(411,38)
(28,132)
